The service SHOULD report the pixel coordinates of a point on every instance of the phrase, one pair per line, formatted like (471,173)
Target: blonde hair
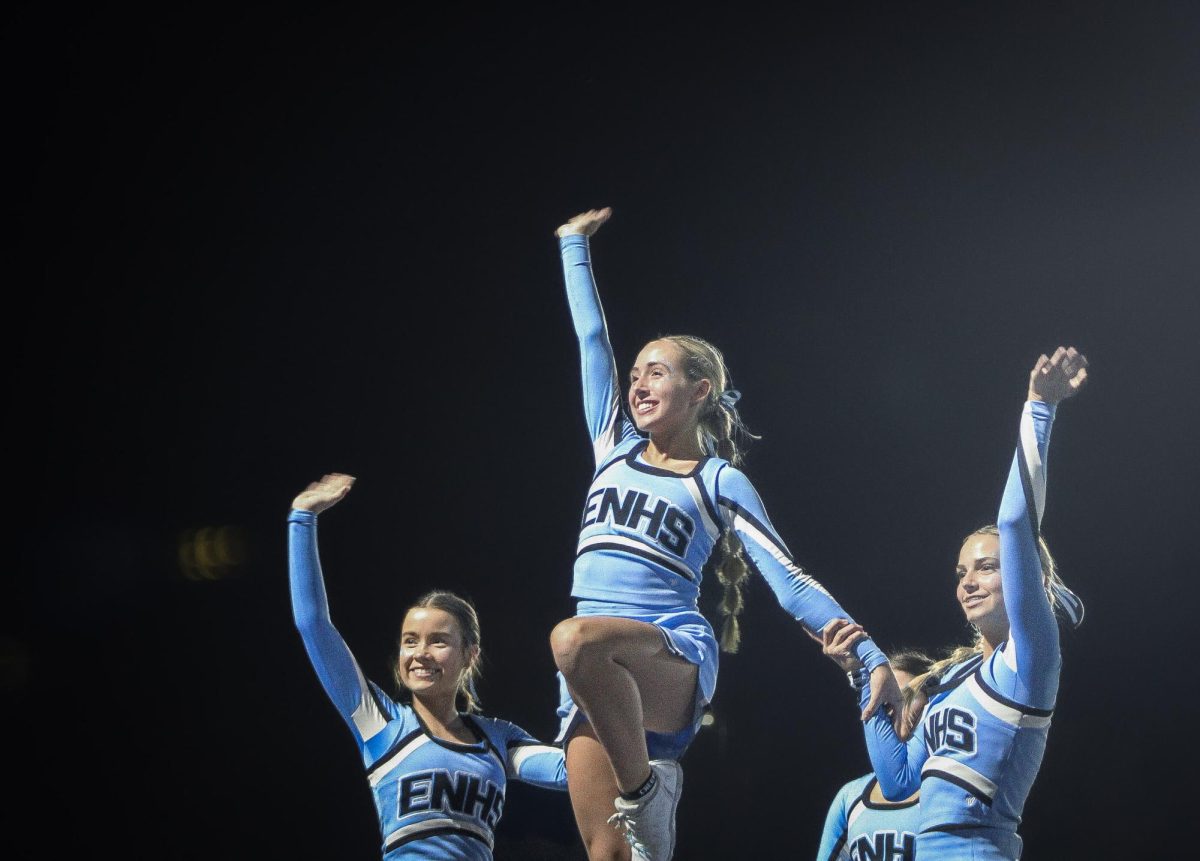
(1051,582)
(955,655)
(719,427)
(720,431)
(916,663)
(468,624)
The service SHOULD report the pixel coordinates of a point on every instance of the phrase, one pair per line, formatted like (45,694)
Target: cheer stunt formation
(954,754)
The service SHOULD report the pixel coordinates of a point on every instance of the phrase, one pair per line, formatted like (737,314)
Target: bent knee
(578,640)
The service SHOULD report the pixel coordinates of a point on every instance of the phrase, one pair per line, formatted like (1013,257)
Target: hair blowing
(720,431)
(468,623)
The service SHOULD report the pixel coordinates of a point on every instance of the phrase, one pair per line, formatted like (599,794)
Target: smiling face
(980,590)
(433,656)
(662,399)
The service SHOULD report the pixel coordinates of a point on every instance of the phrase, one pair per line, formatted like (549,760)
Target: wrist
(859,678)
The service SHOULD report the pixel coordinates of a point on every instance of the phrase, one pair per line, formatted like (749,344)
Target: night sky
(274,245)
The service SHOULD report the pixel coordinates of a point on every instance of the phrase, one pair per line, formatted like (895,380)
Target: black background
(274,244)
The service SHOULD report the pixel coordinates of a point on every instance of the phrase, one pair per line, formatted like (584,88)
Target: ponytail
(721,432)
(733,572)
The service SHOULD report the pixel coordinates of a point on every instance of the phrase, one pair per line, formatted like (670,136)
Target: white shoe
(649,822)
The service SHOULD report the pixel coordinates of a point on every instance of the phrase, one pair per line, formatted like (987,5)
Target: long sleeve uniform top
(435,798)
(984,731)
(647,532)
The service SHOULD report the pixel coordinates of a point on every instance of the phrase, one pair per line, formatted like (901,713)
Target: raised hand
(323,494)
(585,223)
(1058,377)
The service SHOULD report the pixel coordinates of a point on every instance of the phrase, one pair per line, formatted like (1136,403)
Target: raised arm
(1033,650)
(602,392)
(331,658)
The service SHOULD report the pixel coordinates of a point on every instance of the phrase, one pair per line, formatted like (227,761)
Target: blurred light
(211,552)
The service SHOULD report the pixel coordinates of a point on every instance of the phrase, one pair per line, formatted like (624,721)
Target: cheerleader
(638,661)
(437,769)
(981,738)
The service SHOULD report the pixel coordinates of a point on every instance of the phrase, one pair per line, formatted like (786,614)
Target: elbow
(896,790)
(592,337)
(898,782)
(306,621)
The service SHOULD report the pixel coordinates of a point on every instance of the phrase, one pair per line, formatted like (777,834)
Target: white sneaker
(649,822)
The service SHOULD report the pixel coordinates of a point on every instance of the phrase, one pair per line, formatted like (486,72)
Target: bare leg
(626,681)
(593,789)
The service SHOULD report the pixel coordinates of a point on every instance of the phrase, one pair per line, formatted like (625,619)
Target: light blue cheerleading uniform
(647,532)
(984,730)
(859,829)
(436,799)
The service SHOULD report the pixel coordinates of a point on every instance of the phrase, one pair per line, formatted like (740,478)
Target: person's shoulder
(717,467)
(504,732)
(498,730)
(854,788)
(731,481)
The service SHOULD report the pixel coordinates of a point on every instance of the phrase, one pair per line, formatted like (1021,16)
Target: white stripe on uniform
(1003,711)
(963,772)
(395,759)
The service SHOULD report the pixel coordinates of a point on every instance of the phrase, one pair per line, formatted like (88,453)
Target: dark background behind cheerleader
(270,245)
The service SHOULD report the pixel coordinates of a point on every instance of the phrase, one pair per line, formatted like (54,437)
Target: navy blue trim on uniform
(613,457)
(961,674)
(434,832)
(484,739)
(837,847)
(1012,704)
(632,460)
(681,570)
(952,827)
(1027,489)
(471,724)
(708,503)
(865,798)
(396,745)
(759,525)
(959,782)
(375,694)
(456,746)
